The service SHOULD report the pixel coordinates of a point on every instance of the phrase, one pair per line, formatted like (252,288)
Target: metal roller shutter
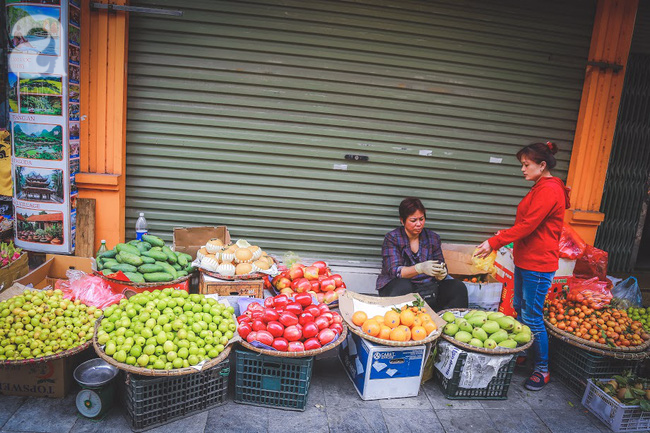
(241,113)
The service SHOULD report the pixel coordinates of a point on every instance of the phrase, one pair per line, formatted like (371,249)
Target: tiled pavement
(334,406)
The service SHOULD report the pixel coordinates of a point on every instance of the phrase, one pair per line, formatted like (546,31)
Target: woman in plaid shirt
(413,262)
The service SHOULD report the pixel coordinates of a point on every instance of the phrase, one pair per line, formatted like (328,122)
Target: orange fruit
(384,332)
(359,317)
(391,319)
(417,321)
(398,334)
(379,319)
(424,317)
(429,326)
(407,317)
(418,333)
(371,327)
(407,330)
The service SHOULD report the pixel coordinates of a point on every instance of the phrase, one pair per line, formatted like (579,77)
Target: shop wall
(242,114)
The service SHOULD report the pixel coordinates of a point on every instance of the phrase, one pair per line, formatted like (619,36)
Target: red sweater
(538,226)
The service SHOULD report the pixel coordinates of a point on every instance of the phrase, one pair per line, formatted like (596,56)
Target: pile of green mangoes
(148,260)
(166,329)
(487,330)
(640,314)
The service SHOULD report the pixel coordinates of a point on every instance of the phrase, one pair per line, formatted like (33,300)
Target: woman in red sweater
(536,235)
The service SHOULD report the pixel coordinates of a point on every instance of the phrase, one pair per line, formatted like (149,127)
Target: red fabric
(538,225)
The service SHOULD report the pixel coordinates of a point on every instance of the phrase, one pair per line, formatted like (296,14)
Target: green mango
(450,329)
(509,344)
(463,337)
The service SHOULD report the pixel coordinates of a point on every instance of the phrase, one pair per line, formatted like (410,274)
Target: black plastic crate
(153,401)
(271,381)
(497,389)
(575,365)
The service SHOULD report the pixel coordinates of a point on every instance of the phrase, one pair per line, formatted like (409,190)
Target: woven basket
(304,354)
(636,352)
(150,372)
(355,329)
(469,347)
(143,285)
(58,355)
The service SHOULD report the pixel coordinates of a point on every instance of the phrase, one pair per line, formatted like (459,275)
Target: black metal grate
(626,185)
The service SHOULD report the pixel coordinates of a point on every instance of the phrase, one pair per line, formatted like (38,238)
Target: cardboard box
(13,271)
(54,269)
(379,371)
(190,239)
(38,379)
(249,288)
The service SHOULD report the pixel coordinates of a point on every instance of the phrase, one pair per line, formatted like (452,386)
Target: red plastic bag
(592,292)
(593,263)
(571,244)
(88,289)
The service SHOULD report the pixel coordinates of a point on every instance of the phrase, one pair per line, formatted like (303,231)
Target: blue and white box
(379,371)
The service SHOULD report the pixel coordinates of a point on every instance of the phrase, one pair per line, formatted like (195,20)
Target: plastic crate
(575,365)
(153,401)
(617,416)
(271,381)
(497,389)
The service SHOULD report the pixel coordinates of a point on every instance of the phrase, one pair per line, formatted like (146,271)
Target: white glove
(427,268)
(439,271)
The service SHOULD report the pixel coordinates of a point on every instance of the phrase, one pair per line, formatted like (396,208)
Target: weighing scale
(96,380)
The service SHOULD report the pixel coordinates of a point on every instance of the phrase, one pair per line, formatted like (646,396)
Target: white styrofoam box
(379,371)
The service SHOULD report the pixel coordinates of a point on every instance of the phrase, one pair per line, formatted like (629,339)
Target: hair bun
(552,147)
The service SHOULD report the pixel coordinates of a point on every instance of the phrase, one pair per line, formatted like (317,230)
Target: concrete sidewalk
(334,406)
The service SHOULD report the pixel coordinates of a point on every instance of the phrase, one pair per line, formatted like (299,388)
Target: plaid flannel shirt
(396,254)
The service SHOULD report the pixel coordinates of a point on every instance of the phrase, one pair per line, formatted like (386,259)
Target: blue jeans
(531,288)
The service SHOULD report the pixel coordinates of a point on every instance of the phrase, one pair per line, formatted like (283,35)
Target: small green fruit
(509,344)
(448,317)
(479,334)
(490,327)
(489,344)
(450,329)
(475,342)
(463,336)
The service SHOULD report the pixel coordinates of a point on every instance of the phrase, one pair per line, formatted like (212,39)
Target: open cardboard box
(458,258)
(190,239)
(349,302)
(39,379)
(54,269)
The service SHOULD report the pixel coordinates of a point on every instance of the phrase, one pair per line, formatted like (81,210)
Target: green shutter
(241,113)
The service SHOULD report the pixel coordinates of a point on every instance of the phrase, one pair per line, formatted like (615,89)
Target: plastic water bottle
(140,227)
(102,248)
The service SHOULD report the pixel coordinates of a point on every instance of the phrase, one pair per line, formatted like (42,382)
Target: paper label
(494,160)
(425,152)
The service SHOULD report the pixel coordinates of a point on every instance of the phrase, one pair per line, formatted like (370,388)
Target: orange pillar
(103,118)
(601,95)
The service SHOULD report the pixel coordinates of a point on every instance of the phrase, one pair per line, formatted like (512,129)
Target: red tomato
(252,336)
(315,285)
(258,325)
(338,280)
(287,318)
(312,344)
(280,344)
(280,301)
(310,330)
(337,327)
(322,322)
(270,315)
(296,346)
(322,267)
(294,308)
(255,315)
(243,319)
(323,308)
(311,272)
(268,302)
(325,336)
(329,316)
(305,318)
(292,333)
(275,328)
(244,329)
(313,310)
(254,306)
(304,299)
(265,337)
(336,317)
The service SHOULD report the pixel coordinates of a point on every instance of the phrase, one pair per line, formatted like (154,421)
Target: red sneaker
(537,380)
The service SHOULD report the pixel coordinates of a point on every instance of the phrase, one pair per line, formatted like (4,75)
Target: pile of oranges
(406,324)
(608,326)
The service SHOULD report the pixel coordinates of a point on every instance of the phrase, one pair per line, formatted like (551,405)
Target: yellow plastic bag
(484,265)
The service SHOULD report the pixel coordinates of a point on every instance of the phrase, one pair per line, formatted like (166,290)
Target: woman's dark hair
(409,206)
(539,152)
